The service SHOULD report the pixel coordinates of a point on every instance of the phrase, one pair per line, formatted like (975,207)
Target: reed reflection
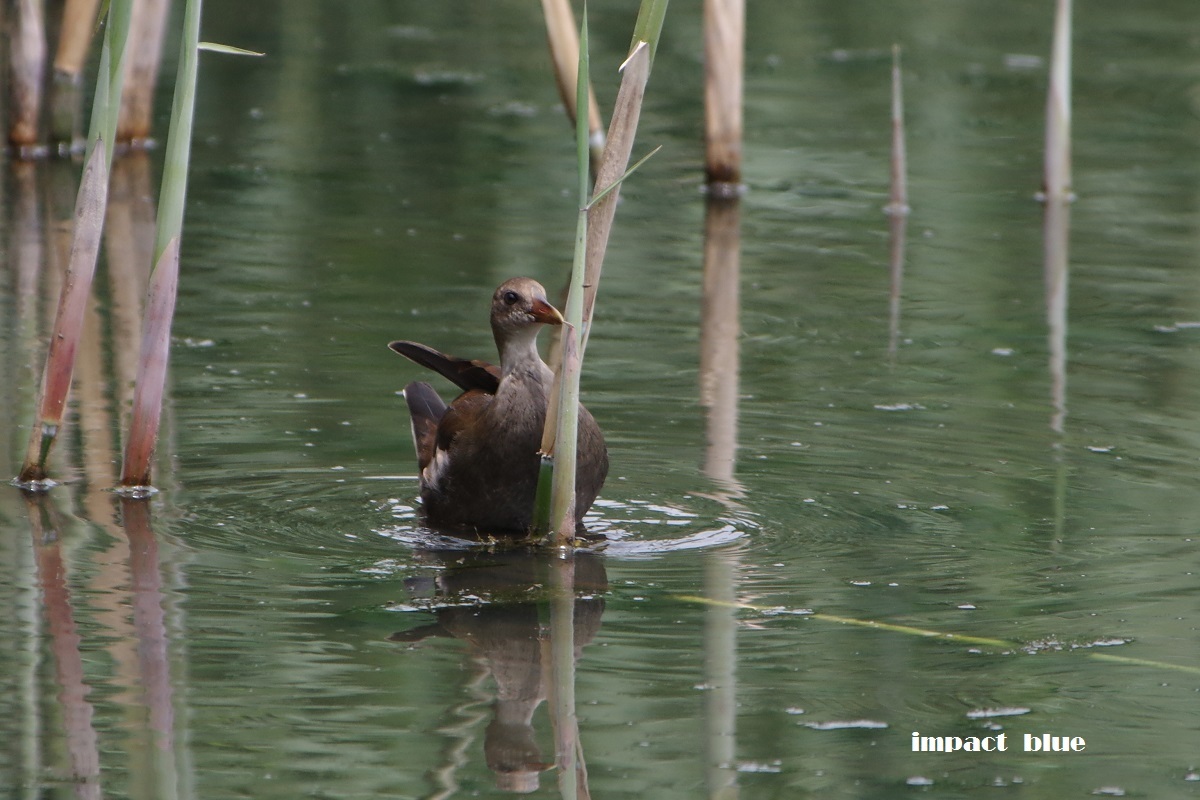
(719,387)
(496,602)
(130,603)
(79,734)
(123,576)
(719,351)
(897,237)
(1056,235)
(1055,242)
(153,736)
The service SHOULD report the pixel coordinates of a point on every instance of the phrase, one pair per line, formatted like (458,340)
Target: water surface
(281,625)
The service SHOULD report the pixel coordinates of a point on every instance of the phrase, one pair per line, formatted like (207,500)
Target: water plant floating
(479,457)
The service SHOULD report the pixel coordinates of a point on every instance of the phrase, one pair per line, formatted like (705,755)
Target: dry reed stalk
(152,370)
(147,27)
(898,199)
(66,92)
(60,361)
(724,45)
(563,37)
(27,64)
(1057,176)
(75,36)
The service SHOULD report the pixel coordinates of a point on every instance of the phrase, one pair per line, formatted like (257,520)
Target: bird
(479,457)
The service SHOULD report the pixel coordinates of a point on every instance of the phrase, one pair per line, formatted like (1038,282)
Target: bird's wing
(467,375)
(460,418)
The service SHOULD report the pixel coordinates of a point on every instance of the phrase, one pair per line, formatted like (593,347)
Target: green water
(289,630)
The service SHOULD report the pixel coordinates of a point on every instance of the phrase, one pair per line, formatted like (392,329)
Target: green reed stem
(593,226)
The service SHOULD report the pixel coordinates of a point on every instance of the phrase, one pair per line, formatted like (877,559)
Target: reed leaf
(179,138)
(648,27)
(106,106)
(227,49)
(926,633)
(601,194)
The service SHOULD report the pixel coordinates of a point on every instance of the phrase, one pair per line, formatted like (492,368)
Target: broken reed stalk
(594,225)
(164,280)
(141,70)
(66,90)
(724,44)
(563,38)
(1057,176)
(90,206)
(27,64)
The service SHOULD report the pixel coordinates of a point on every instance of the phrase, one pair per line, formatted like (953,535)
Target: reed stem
(563,38)
(74,40)
(591,241)
(152,370)
(68,322)
(141,70)
(160,303)
(724,45)
(27,62)
(1057,175)
(898,198)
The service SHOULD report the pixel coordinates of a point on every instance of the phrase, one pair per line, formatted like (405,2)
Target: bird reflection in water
(494,601)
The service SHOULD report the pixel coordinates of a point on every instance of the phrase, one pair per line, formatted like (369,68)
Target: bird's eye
(511,297)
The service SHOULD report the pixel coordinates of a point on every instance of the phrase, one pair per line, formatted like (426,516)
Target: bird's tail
(426,408)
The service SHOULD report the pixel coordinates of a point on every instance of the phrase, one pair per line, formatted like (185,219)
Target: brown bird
(478,457)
